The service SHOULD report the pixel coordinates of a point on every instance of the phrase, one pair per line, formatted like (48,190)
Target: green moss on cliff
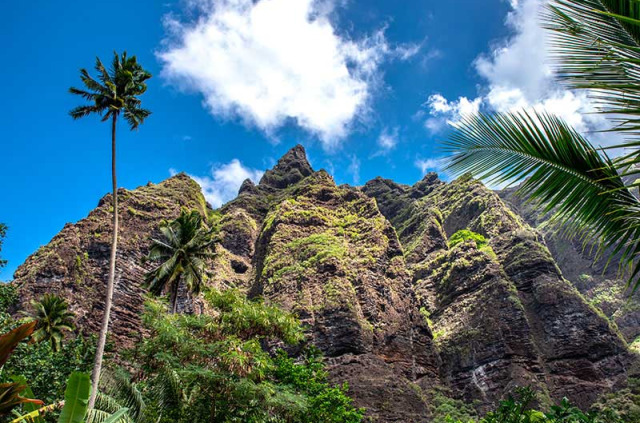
(464,235)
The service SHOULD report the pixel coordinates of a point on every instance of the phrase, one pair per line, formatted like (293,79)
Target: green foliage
(29,407)
(465,235)
(448,410)
(596,45)
(214,368)
(46,370)
(115,91)
(76,398)
(517,408)
(564,171)
(305,253)
(623,404)
(11,396)
(8,297)
(11,392)
(325,403)
(186,245)
(53,318)
(250,319)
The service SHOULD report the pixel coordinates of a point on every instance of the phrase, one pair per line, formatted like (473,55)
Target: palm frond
(103,74)
(114,90)
(185,246)
(128,392)
(96,415)
(135,116)
(559,168)
(596,44)
(82,111)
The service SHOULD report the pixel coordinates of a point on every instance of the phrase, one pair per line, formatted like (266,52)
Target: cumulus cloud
(224,180)
(443,111)
(521,62)
(271,62)
(518,75)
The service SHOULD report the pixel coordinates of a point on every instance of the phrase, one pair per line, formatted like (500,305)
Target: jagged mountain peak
(428,183)
(291,168)
(397,310)
(247,187)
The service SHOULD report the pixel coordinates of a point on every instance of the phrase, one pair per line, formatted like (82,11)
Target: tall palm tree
(53,317)
(596,44)
(115,91)
(185,247)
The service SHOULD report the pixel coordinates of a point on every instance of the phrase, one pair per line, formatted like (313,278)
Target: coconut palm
(596,44)
(115,92)
(183,250)
(53,317)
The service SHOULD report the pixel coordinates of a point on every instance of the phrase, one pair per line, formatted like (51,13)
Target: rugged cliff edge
(395,309)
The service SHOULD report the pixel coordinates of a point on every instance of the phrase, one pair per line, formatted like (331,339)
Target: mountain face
(397,311)
(602,285)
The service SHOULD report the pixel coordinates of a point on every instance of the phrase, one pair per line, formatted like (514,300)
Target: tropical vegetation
(115,92)
(211,367)
(53,317)
(214,367)
(596,44)
(11,393)
(182,252)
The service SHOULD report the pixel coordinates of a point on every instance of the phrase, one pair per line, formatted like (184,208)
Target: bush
(47,371)
(214,367)
(8,296)
(465,235)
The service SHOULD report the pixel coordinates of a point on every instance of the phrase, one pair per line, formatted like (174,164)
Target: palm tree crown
(115,91)
(53,317)
(596,44)
(183,250)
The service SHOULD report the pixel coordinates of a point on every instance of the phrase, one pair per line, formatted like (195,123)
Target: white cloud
(273,61)
(407,51)
(388,139)
(444,112)
(518,76)
(223,182)
(520,62)
(429,165)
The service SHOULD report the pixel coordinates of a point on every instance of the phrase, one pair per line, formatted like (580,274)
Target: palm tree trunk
(97,364)
(174,296)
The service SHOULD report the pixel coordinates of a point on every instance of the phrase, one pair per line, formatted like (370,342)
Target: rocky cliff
(399,311)
(602,285)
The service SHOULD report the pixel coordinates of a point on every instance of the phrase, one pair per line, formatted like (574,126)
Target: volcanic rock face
(503,316)
(75,263)
(396,311)
(603,286)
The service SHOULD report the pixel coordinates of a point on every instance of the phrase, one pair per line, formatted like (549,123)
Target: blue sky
(367,87)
